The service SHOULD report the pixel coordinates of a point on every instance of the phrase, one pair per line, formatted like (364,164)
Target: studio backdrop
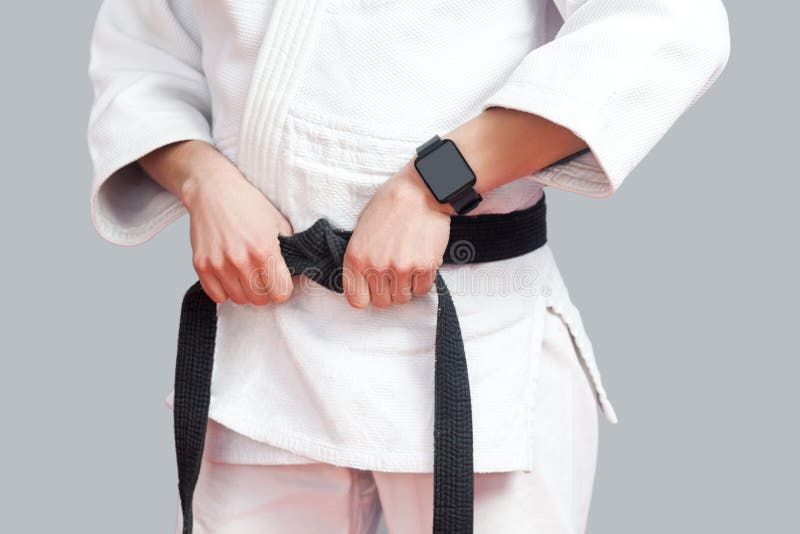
(686,279)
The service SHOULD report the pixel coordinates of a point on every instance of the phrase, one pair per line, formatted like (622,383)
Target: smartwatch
(447,174)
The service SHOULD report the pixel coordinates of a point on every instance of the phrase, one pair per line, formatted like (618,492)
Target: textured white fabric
(618,74)
(355,387)
(318,102)
(553,498)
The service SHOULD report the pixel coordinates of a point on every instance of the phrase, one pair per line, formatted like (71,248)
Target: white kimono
(319,101)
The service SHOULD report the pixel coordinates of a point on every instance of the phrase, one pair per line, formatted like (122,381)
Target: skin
(234,229)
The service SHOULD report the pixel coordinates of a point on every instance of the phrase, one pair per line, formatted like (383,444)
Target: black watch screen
(445,171)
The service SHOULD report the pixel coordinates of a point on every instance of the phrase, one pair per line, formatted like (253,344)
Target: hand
(234,233)
(397,245)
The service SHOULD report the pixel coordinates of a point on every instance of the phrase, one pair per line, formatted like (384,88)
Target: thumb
(284,227)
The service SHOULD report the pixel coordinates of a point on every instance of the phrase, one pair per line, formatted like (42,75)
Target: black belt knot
(318,253)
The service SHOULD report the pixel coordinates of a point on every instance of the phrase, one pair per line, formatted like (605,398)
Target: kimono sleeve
(150,91)
(618,75)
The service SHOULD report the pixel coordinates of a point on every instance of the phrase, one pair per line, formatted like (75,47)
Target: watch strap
(465,201)
(429,146)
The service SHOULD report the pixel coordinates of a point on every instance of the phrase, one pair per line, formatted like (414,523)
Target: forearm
(233,227)
(502,145)
(182,167)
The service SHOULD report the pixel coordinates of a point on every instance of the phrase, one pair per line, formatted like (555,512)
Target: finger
(254,282)
(213,288)
(380,294)
(401,286)
(356,288)
(230,282)
(422,281)
(279,280)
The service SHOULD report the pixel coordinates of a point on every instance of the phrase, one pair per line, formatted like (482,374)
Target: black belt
(318,253)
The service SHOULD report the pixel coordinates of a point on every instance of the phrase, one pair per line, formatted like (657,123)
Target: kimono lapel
(288,42)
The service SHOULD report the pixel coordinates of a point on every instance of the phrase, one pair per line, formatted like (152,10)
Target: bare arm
(502,145)
(233,227)
(389,259)
(175,166)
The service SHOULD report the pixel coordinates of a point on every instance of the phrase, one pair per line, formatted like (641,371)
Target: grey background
(686,279)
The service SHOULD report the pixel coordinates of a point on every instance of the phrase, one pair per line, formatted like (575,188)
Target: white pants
(322,498)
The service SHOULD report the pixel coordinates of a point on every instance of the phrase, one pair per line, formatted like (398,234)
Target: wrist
(475,143)
(447,174)
(503,145)
(407,188)
(190,190)
(202,171)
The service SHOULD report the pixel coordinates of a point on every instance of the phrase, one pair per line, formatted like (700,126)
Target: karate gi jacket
(318,102)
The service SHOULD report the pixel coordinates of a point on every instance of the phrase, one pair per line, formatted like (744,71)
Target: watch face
(445,171)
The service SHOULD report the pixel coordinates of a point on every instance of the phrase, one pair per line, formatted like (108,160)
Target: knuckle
(255,257)
(357,260)
(373,274)
(258,281)
(238,258)
(403,267)
(218,298)
(212,293)
(201,263)
(420,271)
(258,253)
(217,264)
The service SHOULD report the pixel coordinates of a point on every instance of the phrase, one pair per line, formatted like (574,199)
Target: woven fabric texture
(318,253)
